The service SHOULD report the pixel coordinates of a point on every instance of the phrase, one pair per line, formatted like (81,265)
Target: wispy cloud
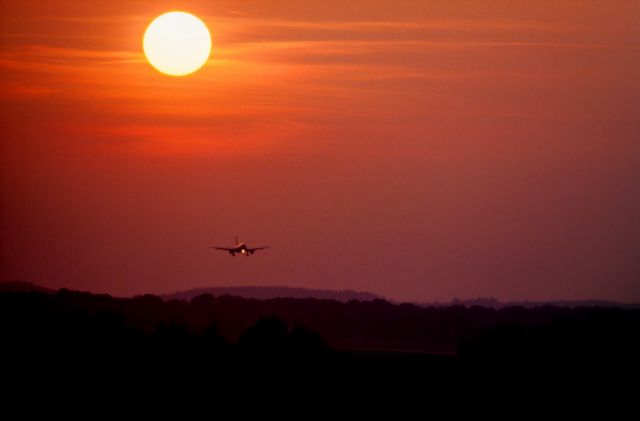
(88,20)
(33,57)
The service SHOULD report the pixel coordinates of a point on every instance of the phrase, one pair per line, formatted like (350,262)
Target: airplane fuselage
(240,249)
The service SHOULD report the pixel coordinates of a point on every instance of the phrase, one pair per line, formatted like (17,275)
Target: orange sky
(418,149)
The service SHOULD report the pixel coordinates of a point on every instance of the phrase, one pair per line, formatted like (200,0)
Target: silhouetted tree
(268,336)
(304,342)
(79,328)
(212,340)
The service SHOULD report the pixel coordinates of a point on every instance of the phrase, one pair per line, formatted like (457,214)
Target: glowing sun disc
(177,43)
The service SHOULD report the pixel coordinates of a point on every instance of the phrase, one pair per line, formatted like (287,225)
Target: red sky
(422,150)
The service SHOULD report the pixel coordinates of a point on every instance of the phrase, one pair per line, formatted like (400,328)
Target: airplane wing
(222,248)
(257,248)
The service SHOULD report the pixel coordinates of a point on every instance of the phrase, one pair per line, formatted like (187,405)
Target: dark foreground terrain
(89,338)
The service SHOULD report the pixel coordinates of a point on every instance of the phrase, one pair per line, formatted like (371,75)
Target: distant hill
(344,296)
(19,286)
(267,293)
(495,304)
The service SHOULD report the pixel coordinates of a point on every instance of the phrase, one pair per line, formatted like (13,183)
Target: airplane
(240,248)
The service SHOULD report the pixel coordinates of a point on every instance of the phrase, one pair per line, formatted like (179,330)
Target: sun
(177,43)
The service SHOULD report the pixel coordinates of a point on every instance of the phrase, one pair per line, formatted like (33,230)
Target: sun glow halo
(177,43)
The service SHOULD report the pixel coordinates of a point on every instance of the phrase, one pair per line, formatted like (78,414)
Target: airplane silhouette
(240,248)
